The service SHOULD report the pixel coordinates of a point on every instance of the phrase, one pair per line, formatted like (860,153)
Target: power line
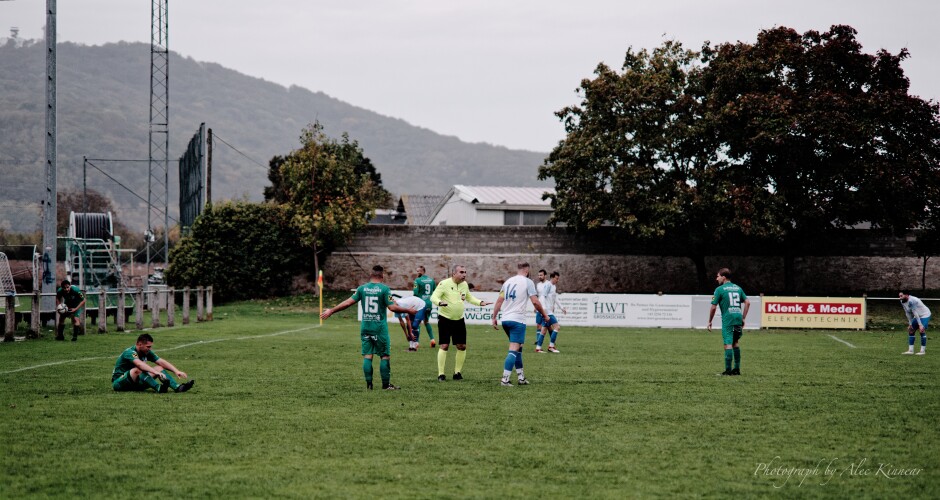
(216,136)
(117,160)
(10,203)
(129,190)
(19,162)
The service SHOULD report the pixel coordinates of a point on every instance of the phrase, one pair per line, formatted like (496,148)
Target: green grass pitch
(280,409)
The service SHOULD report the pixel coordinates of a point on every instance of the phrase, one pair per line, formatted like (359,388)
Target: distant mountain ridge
(103,110)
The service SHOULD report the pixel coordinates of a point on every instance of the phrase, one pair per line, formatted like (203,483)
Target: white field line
(200,342)
(840,340)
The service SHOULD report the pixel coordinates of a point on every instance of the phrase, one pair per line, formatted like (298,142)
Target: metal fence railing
(121,305)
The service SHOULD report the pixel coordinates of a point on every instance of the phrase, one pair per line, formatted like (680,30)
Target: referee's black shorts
(450,331)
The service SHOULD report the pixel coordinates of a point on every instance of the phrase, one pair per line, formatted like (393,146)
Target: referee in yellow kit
(449,297)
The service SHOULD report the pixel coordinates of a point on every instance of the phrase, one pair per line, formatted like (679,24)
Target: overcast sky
(490,71)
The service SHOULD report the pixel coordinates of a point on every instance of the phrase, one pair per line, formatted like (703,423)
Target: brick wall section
(608,262)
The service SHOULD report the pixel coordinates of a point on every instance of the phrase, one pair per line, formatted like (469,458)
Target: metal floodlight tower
(159,181)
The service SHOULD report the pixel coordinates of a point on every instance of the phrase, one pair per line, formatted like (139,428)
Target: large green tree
(830,130)
(613,165)
(330,187)
(787,138)
(639,156)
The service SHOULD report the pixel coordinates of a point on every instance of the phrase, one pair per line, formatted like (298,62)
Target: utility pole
(49,200)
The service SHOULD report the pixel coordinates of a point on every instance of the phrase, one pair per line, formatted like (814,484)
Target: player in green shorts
(734,305)
(74,300)
(132,373)
(373,297)
(424,287)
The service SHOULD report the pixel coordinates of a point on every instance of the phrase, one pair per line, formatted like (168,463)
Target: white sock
(506,374)
(519,373)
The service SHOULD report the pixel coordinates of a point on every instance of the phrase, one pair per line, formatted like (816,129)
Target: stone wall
(608,262)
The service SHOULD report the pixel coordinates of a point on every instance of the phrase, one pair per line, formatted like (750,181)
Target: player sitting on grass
(132,373)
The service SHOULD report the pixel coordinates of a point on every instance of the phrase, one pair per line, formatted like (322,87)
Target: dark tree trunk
(923,274)
(789,259)
(701,274)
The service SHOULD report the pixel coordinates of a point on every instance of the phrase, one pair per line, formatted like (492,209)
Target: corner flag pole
(320,285)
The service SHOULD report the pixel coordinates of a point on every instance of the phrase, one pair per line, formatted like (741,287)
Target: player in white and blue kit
(515,293)
(918,316)
(539,285)
(549,300)
(411,323)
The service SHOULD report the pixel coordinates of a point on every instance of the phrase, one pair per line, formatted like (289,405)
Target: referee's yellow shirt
(453,295)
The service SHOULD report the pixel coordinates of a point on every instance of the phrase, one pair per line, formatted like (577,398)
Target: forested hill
(103,112)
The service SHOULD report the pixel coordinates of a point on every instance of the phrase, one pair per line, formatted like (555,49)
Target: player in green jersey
(424,287)
(734,305)
(373,297)
(132,373)
(74,300)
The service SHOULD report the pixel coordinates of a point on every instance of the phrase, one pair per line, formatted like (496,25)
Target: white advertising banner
(612,310)
(701,304)
(652,311)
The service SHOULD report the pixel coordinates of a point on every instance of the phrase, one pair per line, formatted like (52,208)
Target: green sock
(385,368)
(430,331)
(367,368)
(170,380)
(729,355)
(737,358)
(441,360)
(458,366)
(149,380)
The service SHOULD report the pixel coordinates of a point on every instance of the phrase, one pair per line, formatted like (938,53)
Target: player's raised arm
(337,308)
(475,301)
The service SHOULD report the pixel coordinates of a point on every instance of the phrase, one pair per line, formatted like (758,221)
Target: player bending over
(411,323)
(918,316)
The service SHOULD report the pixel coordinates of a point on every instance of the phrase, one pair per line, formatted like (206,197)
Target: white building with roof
(492,206)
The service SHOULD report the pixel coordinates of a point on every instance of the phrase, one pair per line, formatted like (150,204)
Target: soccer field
(280,409)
